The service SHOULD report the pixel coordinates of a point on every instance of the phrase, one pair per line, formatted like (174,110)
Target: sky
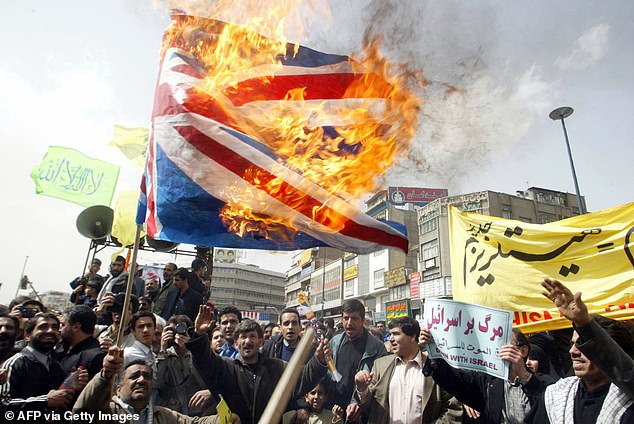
(71,70)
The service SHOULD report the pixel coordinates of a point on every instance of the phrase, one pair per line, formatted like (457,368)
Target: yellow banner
(132,142)
(124,224)
(500,263)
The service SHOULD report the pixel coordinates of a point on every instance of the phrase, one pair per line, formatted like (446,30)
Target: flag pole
(128,292)
(26,259)
(284,389)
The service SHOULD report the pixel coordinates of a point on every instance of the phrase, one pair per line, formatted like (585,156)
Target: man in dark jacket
(354,350)
(34,376)
(247,383)
(79,346)
(184,300)
(497,400)
(166,287)
(283,346)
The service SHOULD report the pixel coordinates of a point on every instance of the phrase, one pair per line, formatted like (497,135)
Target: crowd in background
(180,358)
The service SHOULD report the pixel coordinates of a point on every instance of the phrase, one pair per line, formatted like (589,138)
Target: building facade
(249,288)
(535,205)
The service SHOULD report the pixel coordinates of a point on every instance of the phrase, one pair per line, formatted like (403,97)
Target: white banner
(468,336)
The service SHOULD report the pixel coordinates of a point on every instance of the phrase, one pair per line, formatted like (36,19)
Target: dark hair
(30,324)
(618,332)
(290,311)
(353,305)
(198,264)
(14,319)
(231,310)
(536,352)
(379,322)
(247,325)
(522,340)
(18,301)
(95,260)
(119,259)
(408,325)
(148,299)
(330,322)
(270,325)
(181,273)
(84,315)
(172,266)
(177,319)
(139,362)
(376,332)
(139,315)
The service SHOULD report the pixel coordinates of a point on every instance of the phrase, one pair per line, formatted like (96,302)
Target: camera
(26,312)
(180,328)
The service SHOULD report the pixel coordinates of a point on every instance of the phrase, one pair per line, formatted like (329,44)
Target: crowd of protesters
(178,360)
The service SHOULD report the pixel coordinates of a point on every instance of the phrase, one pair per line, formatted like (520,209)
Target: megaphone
(160,245)
(95,222)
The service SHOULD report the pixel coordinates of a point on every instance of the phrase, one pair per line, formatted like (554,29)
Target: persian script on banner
(468,336)
(221,169)
(500,263)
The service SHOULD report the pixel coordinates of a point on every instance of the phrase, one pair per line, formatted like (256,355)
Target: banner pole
(128,292)
(26,259)
(284,389)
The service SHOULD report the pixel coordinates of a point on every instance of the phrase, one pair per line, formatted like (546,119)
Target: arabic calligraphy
(482,263)
(467,335)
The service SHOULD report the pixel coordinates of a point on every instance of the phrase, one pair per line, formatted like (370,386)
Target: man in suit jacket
(397,391)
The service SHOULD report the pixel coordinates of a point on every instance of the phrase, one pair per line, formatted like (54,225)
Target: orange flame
(373,124)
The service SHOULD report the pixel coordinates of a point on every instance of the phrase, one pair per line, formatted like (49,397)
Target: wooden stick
(128,292)
(285,387)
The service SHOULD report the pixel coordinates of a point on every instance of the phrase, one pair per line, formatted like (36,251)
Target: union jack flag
(197,151)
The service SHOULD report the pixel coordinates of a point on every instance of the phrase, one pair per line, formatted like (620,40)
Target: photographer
(179,385)
(86,294)
(24,308)
(91,275)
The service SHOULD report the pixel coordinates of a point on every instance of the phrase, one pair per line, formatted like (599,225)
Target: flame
(342,149)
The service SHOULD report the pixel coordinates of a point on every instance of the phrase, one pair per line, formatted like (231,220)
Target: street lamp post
(560,114)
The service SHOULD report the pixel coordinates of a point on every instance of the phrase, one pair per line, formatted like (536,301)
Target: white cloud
(589,48)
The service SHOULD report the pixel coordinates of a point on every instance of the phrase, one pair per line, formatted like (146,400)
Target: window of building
(348,289)
(430,252)
(378,278)
(378,252)
(428,223)
(399,292)
(545,217)
(506,211)
(525,219)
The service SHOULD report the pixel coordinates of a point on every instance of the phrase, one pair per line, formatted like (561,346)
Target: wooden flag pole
(125,315)
(285,387)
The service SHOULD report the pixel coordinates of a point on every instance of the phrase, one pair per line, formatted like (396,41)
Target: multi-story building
(249,288)
(55,300)
(536,205)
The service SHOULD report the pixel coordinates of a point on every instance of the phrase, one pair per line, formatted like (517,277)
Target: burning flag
(258,143)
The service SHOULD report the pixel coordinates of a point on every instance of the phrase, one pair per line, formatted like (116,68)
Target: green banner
(70,175)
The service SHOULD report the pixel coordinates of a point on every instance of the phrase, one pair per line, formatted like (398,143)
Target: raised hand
(112,362)
(513,355)
(425,337)
(571,306)
(204,320)
(323,352)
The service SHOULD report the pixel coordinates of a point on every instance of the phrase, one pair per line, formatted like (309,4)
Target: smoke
(474,104)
